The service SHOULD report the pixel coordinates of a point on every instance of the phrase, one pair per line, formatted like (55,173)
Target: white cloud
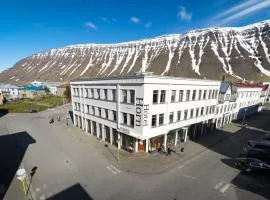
(148,25)
(91,25)
(242,10)
(135,20)
(183,14)
(105,19)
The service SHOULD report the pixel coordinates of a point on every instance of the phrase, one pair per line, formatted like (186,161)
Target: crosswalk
(113,169)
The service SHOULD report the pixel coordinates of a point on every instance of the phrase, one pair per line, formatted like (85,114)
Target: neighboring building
(144,112)
(32,92)
(9,91)
(61,89)
(52,86)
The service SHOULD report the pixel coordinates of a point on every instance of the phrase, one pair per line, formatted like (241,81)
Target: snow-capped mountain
(239,52)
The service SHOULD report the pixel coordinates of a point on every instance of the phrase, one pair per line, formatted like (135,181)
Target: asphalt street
(70,167)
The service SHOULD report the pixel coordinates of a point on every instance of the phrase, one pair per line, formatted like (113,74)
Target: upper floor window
(86,92)
(114,115)
(98,93)
(125,118)
(191,113)
(187,95)
(131,120)
(194,95)
(200,94)
(162,96)
(155,96)
(114,95)
(209,94)
(161,119)
(124,96)
(202,111)
(173,95)
(154,120)
(197,112)
(178,115)
(181,94)
(204,94)
(106,114)
(105,94)
(132,96)
(99,112)
(171,117)
(185,114)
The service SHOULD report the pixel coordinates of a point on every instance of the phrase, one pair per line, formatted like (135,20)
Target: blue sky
(31,26)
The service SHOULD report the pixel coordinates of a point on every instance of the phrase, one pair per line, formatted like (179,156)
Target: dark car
(259,144)
(252,165)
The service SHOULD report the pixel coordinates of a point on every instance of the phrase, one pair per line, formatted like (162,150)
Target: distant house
(61,90)
(52,86)
(32,91)
(9,91)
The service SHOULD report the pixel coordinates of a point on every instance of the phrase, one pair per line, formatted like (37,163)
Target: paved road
(69,167)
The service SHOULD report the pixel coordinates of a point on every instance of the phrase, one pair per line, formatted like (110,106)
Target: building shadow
(230,145)
(70,112)
(3,112)
(74,192)
(12,150)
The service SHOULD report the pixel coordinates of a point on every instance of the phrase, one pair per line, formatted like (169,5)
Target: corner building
(144,112)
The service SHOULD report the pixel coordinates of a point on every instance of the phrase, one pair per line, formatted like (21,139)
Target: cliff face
(208,53)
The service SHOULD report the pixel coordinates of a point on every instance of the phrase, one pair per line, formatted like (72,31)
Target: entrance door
(141,145)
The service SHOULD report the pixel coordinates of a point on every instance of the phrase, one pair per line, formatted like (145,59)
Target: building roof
(7,86)
(33,88)
(64,85)
(246,85)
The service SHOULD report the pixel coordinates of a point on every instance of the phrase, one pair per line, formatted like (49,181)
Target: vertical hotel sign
(142,112)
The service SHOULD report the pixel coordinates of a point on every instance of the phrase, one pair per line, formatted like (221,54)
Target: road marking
(111,170)
(188,176)
(225,187)
(218,185)
(113,167)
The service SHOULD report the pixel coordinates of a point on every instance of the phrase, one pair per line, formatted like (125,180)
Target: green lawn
(38,104)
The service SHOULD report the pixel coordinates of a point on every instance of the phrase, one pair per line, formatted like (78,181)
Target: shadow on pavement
(3,112)
(232,147)
(12,148)
(74,192)
(71,115)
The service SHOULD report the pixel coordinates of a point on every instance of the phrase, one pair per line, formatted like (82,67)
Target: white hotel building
(143,112)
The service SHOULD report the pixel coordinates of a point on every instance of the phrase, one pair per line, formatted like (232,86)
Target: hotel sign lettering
(142,112)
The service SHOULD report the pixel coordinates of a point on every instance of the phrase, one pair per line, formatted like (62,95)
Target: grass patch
(38,104)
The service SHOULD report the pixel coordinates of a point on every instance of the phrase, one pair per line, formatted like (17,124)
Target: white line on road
(111,170)
(218,185)
(225,187)
(113,167)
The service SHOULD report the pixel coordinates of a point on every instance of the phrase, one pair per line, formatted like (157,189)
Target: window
(173,95)
(132,121)
(191,114)
(154,120)
(178,115)
(161,119)
(197,112)
(105,94)
(181,94)
(92,93)
(99,112)
(94,110)
(124,96)
(213,94)
(217,110)
(171,117)
(185,114)
(209,94)
(155,96)
(204,94)
(114,95)
(187,95)
(125,118)
(225,108)
(200,94)
(114,115)
(202,111)
(87,110)
(106,114)
(206,111)
(132,96)
(194,95)
(162,96)
(98,93)
(86,92)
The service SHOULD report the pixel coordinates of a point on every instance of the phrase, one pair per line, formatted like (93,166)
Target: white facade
(140,108)
(10,91)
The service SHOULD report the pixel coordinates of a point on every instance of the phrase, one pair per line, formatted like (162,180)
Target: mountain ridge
(238,52)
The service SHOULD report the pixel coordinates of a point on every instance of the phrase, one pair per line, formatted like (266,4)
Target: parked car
(259,144)
(252,165)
